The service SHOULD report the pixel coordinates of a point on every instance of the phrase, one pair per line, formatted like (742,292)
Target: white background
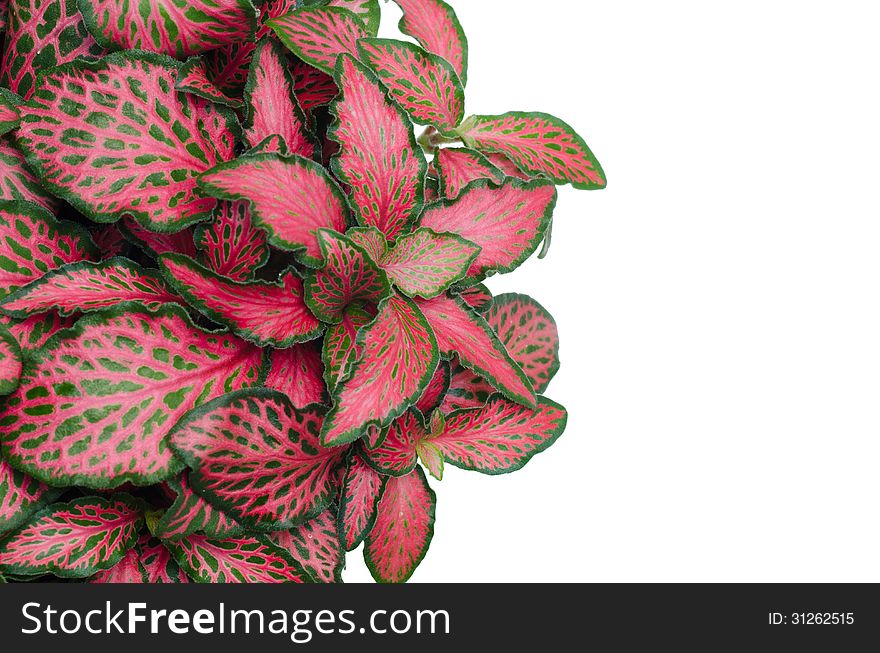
(718,303)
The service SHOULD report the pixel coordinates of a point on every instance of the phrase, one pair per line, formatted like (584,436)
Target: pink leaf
(272,106)
(362,488)
(400,356)
(341,347)
(17,182)
(73,540)
(243,559)
(169,27)
(318,35)
(433,23)
(292,198)
(425,85)
(436,390)
(508,222)
(348,276)
(537,143)
(193,78)
(315,545)
(137,151)
(379,157)
(459,330)
(501,437)
(190,514)
(264,313)
(156,244)
(232,245)
(86,287)
(20,496)
(458,167)
(298,374)
(529,333)
(96,404)
(403,530)
(279,477)
(396,454)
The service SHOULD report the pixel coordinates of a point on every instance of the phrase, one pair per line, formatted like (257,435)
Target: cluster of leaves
(242,303)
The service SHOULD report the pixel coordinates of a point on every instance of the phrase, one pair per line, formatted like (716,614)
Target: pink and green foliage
(41,34)
(10,362)
(20,496)
(113,137)
(349,275)
(259,458)
(379,157)
(297,373)
(88,287)
(73,540)
(169,26)
(301,333)
(268,314)
(190,514)
(424,84)
(312,87)
(436,390)
(232,245)
(434,24)
(458,167)
(193,78)
(315,545)
(158,564)
(529,333)
(403,529)
(396,454)
(463,332)
(17,182)
(242,559)
(362,488)
(272,105)
(538,143)
(155,244)
(292,198)
(425,264)
(318,35)
(10,116)
(398,361)
(36,243)
(508,221)
(501,437)
(96,405)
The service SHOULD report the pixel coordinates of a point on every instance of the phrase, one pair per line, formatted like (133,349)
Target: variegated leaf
(242,559)
(73,540)
(424,84)
(379,158)
(348,276)
(178,29)
(433,23)
(268,314)
(292,198)
(508,221)
(341,347)
(529,334)
(362,488)
(258,458)
(113,137)
(458,167)
(191,514)
(193,78)
(318,35)
(538,143)
(396,454)
(41,34)
(233,247)
(20,496)
(501,437)
(297,373)
(86,287)
(17,182)
(463,332)
(33,242)
(272,105)
(96,403)
(400,356)
(403,529)
(315,545)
